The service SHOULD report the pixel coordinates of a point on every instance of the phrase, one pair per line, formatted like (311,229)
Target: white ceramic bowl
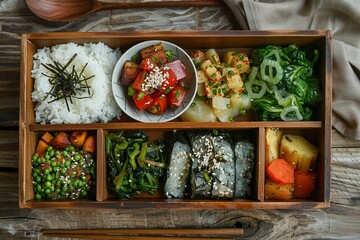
(128,106)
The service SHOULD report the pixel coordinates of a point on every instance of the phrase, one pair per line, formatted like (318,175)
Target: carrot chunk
(280,171)
(304,183)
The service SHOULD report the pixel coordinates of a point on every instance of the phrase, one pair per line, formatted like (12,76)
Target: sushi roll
(212,171)
(244,164)
(202,156)
(224,172)
(178,167)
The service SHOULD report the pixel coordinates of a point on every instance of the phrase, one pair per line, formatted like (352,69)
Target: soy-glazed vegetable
(134,163)
(292,172)
(62,170)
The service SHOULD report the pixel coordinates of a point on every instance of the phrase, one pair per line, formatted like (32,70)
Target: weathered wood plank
(9,149)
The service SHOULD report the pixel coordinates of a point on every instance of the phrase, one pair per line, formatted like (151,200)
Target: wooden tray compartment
(314,136)
(321,123)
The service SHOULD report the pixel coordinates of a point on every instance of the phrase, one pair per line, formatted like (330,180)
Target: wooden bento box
(317,131)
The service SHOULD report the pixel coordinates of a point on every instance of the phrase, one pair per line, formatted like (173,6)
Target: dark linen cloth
(342,18)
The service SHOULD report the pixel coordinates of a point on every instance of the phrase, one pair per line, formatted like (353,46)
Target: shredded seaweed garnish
(67,84)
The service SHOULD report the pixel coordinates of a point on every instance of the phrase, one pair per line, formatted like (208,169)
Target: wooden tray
(318,131)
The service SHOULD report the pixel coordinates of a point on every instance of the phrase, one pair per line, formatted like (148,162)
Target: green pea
(67,163)
(35,158)
(46,171)
(38,179)
(47,184)
(64,189)
(82,160)
(63,171)
(35,174)
(38,188)
(84,193)
(38,196)
(49,177)
(76,183)
(77,157)
(47,191)
(57,190)
(53,164)
(71,148)
(51,153)
(49,148)
(65,153)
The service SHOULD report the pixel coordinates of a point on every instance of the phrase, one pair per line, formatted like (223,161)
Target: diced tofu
(228,56)
(201,76)
(241,63)
(198,57)
(213,56)
(221,103)
(211,71)
(233,78)
(216,88)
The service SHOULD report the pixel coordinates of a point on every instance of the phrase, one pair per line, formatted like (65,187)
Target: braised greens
(134,164)
(282,83)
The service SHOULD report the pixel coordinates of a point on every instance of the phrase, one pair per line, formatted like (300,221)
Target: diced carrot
(304,183)
(90,144)
(61,140)
(41,147)
(280,171)
(47,137)
(78,138)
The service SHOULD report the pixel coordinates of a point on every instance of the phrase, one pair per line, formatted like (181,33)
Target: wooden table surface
(340,221)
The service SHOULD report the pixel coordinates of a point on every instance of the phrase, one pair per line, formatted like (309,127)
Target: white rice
(101,107)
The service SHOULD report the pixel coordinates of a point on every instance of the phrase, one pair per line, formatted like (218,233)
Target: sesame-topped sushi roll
(212,171)
(202,155)
(244,165)
(178,167)
(224,169)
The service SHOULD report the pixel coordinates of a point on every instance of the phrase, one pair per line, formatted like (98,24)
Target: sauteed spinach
(282,82)
(134,164)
